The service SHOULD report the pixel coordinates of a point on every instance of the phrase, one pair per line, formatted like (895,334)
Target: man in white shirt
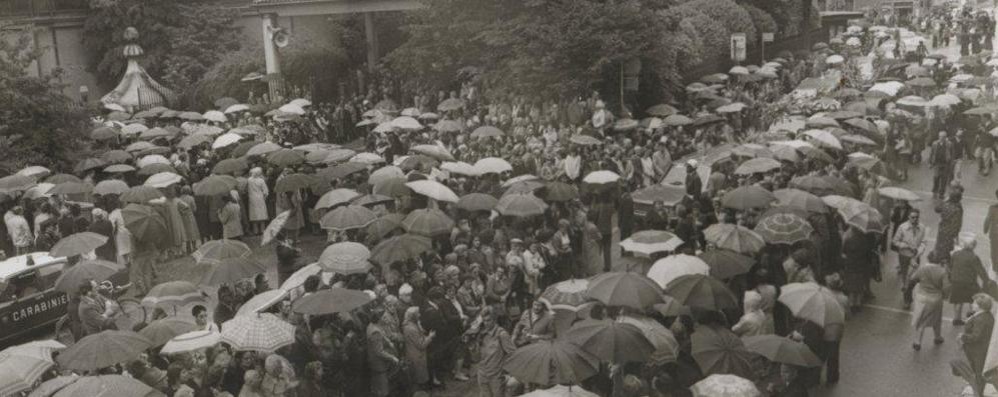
(18,230)
(909,241)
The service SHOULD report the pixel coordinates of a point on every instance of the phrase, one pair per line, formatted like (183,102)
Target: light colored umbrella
(263,148)
(757,165)
(733,107)
(385,173)
(226,140)
(944,100)
(347,255)
(216,251)
(51,386)
(486,131)
(812,302)
(834,59)
(459,167)
(77,244)
(347,217)
(173,293)
(898,193)
(648,242)
(863,217)
(784,228)
(34,171)
(38,191)
(673,266)
(738,70)
(406,123)
(72,188)
(263,332)
(301,102)
(133,129)
(163,179)
(298,277)
(824,138)
(435,151)
(236,108)
(584,140)
(561,391)
(336,197)
(725,385)
(152,159)
(493,165)
(191,341)
(520,205)
(22,365)
(107,385)
(265,300)
(601,177)
(292,109)
(733,237)
(367,158)
(214,115)
(802,200)
(274,227)
(566,295)
(434,190)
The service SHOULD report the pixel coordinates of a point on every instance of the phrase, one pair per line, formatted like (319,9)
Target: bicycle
(131,312)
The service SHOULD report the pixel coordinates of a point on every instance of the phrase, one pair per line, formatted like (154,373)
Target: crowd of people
(458,288)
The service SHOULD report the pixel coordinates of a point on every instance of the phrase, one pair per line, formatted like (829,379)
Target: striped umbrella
(733,237)
(262,332)
(346,257)
(173,293)
(347,217)
(216,251)
(651,241)
(22,365)
(567,295)
(783,228)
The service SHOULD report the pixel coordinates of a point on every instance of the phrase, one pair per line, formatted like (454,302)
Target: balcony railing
(38,8)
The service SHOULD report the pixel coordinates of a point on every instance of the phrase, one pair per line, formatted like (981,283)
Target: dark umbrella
(698,290)
(161,331)
(611,341)
(230,166)
(551,362)
(329,301)
(215,185)
(61,178)
(782,350)
(140,194)
(625,289)
(91,270)
(102,350)
(144,222)
(400,248)
(286,157)
(294,182)
(725,264)
(77,244)
(558,191)
(719,351)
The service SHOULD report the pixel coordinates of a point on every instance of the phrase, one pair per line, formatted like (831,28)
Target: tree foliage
(38,123)
(181,39)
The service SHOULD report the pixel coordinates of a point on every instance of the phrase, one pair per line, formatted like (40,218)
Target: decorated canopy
(137,90)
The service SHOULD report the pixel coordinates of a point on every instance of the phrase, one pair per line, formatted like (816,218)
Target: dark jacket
(976,338)
(966,267)
(104,228)
(92,317)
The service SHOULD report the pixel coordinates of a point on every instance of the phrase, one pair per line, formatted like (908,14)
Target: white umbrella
(38,191)
(163,179)
(944,100)
(854,42)
(561,391)
(34,171)
(367,158)
(723,385)
(912,100)
(898,193)
(651,241)
(888,87)
(263,332)
(434,190)
(191,341)
(601,177)
(834,59)
(673,266)
(739,70)
(385,127)
(292,109)
(298,278)
(493,165)
(733,107)
(824,138)
(216,116)
(226,140)
(263,301)
(460,168)
(236,108)
(300,102)
(114,106)
(133,129)
(406,123)
(386,172)
(411,112)
(152,159)
(263,148)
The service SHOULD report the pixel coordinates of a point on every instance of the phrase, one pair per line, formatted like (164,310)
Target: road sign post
(738,44)
(767,37)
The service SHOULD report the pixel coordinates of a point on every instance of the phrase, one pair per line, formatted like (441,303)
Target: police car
(28,300)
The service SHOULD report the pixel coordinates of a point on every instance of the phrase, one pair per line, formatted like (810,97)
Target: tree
(38,123)
(181,39)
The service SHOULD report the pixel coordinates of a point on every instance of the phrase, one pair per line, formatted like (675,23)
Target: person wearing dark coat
(625,214)
(859,255)
(977,337)
(964,272)
(102,226)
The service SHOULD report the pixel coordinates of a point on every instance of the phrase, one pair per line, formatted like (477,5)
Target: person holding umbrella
(230,215)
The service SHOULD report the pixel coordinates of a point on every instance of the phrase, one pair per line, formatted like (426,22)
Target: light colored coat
(257,191)
(230,216)
(18,229)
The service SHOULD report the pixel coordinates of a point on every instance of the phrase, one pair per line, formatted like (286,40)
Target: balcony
(40,8)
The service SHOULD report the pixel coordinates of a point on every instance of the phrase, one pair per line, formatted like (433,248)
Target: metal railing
(37,8)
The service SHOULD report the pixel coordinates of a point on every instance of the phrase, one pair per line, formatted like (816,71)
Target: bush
(762,20)
(728,14)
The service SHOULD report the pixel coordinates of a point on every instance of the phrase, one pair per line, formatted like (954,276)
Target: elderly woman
(279,377)
(753,322)
(252,380)
(416,341)
(256,187)
(977,337)
(932,285)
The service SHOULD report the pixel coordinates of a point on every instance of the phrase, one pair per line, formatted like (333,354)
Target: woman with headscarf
(257,191)
(278,378)
(416,342)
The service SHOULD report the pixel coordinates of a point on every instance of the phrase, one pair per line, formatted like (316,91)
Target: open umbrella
(215,185)
(286,157)
(294,182)
(812,302)
(230,166)
(802,200)
(72,188)
(77,244)
(601,177)
(89,270)
(783,228)
(493,165)
(703,291)
(17,182)
(746,197)
(551,362)
(347,217)
(192,341)
(428,222)
(336,197)
(662,110)
(400,248)
(520,205)
(559,192)
(53,180)
(262,332)
(34,171)
(611,341)
(346,255)
(648,242)
(486,131)
(173,293)
(216,251)
(624,289)
(477,202)
(163,179)
(566,295)
(368,200)
(140,194)
(725,264)
(667,269)
(863,217)
(435,151)
(824,138)
(584,140)
(102,350)
(263,301)
(898,193)
(341,171)
(561,391)
(733,237)
(719,351)
(434,190)
(110,186)
(118,169)
(275,226)
(107,385)
(103,133)
(782,350)
(329,301)
(757,165)
(725,385)
(22,365)
(263,148)
(450,104)
(161,331)
(812,184)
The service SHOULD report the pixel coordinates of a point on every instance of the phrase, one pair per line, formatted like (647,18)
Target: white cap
(405,289)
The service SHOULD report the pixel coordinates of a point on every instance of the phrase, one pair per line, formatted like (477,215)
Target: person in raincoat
(258,192)
(932,285)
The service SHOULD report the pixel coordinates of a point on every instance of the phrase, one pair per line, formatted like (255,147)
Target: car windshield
(20,286)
